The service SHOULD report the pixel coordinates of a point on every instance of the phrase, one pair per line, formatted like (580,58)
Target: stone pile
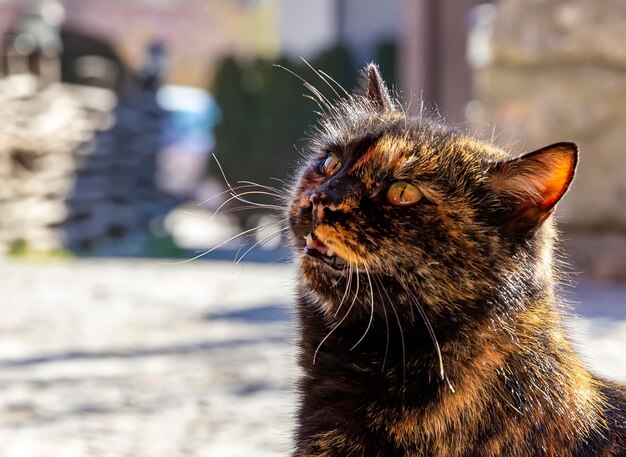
(76,168)
(556,71)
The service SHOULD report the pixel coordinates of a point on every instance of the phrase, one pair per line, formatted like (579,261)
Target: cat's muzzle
(318,250)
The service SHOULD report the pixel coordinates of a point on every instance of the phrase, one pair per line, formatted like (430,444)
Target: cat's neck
(392,341)
(509,367)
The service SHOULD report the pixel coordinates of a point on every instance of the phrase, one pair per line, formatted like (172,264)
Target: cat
(428,317)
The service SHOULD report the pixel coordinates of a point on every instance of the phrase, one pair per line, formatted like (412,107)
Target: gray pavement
(136,358)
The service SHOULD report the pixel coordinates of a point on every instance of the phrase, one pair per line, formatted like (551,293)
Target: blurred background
(141,312)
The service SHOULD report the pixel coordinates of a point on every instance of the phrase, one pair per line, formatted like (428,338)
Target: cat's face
(404,200)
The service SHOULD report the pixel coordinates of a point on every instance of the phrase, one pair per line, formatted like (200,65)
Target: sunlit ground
(140,358)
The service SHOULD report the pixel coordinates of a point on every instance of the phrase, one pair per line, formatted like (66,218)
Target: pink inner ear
(537,180)
(550,177)
(556,182)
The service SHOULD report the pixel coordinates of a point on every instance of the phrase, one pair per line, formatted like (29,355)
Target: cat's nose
(335,196)
(323,200)
(323,204)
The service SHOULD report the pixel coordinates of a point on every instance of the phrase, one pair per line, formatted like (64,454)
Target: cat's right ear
(534,183)
(374,89)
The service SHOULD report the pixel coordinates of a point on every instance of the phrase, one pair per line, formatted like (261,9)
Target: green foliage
(18,248)
(259,115)
(164,247)
(21,249)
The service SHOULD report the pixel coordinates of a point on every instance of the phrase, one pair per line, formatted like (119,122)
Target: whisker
(282,181)
(259,244)
(356,293)
(320,76)
(219,165)
(217,211)
(224,192)
(276,192)
(321,96)
(377,283)
(202,254)
(255,192)
(310,97)
(348,284)
(237,196)
(393,307)
(369,324)
(240,208)
(431,331)
(323,100)
(349,95)
(450,385)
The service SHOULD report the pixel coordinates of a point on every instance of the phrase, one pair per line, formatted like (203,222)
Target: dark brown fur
(475,259)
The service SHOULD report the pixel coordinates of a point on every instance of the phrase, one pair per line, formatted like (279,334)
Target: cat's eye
(331,165)
(402,193)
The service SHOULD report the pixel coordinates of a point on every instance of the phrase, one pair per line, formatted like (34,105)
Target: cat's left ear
(374,89)
(534,183)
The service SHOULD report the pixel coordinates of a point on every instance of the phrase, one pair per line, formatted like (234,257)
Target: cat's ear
(534,183)
(374,89)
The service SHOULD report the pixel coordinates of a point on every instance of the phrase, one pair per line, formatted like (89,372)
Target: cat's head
(396,198)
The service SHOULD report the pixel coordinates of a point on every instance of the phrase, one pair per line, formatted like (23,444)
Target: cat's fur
(474,258)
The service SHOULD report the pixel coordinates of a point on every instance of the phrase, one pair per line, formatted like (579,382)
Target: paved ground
(122,358)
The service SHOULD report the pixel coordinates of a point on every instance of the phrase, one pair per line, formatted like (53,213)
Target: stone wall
(557,71)
(77,168)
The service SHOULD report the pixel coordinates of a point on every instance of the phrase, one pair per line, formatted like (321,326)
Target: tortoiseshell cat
(429,321)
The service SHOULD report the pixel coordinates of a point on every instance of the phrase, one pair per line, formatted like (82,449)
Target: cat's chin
(314,265)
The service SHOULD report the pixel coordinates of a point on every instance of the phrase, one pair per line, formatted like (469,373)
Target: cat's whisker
(278,193)
(377,283)
(348,94)
(320,97)
(320,76)
(356,294)
(310,97)
(219,165)
(240,208)
(246,186)
(232,210)
(258,245)
(369,324)
(256,192)
(431,332)
(214,196)
(450,386)
(278,222)
(282,181)
(348,284)
(236,195)
(261,243)
(393,307)
(208,251)
(395,312)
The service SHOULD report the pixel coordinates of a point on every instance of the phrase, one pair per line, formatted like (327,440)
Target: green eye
(402,193)
(331,165)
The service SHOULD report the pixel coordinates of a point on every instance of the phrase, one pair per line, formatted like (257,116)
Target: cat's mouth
(318,250)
